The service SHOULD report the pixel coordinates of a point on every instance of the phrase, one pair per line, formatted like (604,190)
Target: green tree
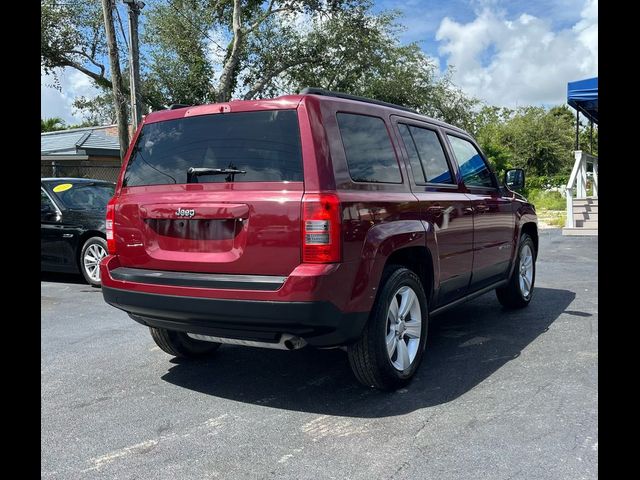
(541,141)
(488,126)
(360,53)
(587,142)
(181,35)
(533,138)
(200,51)
(72,35)
(98,110)
(287,46)
(52,124)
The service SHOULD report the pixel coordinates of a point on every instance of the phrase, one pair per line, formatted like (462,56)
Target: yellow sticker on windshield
(62,187)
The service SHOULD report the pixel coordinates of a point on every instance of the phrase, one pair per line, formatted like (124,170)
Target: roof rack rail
(178,105)
(329,93)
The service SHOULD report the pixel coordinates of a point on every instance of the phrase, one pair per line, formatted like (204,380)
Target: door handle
(467,209)
(435,209)
(482,207)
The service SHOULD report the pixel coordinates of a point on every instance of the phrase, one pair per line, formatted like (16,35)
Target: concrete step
(585,209)
(580,231)
(585,201)
(586,224)
(585,216)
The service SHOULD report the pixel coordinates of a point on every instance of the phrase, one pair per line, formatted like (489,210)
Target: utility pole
(134,61)
(119,99)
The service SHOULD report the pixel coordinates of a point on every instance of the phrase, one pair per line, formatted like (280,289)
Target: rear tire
(519,291)
(390,350)
(179,344)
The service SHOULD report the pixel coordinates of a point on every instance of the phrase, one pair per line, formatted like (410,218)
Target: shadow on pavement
(62,278)
(465,346)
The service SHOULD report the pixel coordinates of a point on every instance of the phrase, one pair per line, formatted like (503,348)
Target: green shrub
(546,200)
(543,182)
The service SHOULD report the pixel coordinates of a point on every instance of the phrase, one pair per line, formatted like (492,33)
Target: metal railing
(578,179)
(79,169)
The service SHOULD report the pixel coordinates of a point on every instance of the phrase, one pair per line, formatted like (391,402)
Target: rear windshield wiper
(193,173)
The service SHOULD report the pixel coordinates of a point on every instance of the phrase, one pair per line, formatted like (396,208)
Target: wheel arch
(407,242)
(420,261)
(531,229)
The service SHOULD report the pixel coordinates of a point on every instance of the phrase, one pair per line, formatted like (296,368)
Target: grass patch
(551,218)
(558,221)
(546,200)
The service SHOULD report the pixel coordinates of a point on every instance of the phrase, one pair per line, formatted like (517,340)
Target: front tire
(179,344)
(519,291)
(391,347)
(93,251)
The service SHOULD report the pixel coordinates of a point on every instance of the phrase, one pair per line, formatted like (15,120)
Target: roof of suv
(287,101)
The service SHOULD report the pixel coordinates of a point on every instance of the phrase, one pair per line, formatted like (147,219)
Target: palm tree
(51,124)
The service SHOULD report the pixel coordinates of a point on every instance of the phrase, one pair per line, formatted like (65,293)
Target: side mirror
(514,179)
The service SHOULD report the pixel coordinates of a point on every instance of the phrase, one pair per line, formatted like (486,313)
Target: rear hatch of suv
(213,193)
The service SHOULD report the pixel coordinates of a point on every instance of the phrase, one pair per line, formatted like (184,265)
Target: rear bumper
(309,303)
(321,324)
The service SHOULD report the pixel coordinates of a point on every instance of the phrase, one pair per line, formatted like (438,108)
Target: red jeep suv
(316,219)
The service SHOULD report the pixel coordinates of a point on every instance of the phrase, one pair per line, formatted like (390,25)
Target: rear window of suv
(265,144)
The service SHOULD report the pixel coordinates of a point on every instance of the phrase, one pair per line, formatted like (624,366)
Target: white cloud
(509,61)
(58,103)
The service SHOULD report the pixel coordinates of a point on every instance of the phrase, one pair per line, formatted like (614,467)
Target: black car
(72,225)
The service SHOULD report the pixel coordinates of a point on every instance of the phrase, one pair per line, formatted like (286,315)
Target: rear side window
(426,155)
(265,144)
(474,170)
(367,146)
(86,196)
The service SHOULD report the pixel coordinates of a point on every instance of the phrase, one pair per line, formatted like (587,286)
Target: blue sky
(506,53)
(423,17)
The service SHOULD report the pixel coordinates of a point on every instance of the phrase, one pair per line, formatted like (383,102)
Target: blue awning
(583,96)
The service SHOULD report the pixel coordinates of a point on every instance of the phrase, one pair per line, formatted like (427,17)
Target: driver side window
(475,172)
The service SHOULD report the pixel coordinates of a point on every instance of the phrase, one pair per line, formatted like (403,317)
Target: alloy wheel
(91,260)
(404,327)
(526,271)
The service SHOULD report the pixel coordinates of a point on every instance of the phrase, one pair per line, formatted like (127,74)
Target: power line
(124,37)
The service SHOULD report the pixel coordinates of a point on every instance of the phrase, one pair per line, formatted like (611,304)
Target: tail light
(321,241)
(111,242)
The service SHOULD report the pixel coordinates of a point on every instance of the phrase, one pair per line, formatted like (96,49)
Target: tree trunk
(119,99)
(228,73)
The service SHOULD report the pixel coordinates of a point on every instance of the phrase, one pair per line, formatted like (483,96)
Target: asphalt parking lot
(500,395)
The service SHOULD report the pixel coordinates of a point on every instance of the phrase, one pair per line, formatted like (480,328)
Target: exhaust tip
(293,343)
